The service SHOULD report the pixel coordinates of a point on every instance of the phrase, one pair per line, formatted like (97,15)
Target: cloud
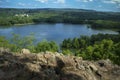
(21,4)
(59,1)
(52,1)
(42,1)
(112,1)
(117,2)
(85,0)
(104,1)
(24,5)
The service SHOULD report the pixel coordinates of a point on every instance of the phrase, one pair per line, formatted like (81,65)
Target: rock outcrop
(25,51)
(54,66)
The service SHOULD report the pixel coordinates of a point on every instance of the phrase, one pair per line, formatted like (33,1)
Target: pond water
(52,32)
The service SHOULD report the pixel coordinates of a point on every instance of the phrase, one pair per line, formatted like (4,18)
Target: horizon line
(58,8)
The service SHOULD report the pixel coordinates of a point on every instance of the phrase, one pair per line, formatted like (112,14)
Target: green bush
(96,47)
(46,46)
(67,52)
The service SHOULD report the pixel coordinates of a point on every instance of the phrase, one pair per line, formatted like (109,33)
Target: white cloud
(52,1)
(27,5)
(105,1)
(112,1)
(117,2)
(21,4)
(42,1)
(59,1)
(85,0)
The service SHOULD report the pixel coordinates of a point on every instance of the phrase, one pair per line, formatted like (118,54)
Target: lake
(52,32)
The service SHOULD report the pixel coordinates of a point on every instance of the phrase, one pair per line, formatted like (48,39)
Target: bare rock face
(54,66)
(25,51)
(4,50)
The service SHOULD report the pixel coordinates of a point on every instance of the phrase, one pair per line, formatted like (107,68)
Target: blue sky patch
(99,5)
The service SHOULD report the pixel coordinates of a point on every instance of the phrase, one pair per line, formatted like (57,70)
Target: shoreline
(33,23)
(22,24)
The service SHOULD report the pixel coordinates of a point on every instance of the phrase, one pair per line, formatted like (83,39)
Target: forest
(96,47)
(11,16)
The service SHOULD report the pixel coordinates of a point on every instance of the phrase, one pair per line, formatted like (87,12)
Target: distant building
(22,15)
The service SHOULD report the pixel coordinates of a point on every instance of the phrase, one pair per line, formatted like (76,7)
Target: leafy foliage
(17,43)
(105,24)
(22,42)
(46,46)
(96,47)
(90,48)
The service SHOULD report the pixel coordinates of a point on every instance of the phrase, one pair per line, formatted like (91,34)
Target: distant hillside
(87,14)
(15,10)
(11,16)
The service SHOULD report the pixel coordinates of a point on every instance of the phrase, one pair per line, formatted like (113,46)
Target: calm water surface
(53,32)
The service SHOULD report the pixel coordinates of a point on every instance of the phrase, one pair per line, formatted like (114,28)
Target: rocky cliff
(54,66)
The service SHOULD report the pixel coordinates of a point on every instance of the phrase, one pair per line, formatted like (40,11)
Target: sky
(99,5)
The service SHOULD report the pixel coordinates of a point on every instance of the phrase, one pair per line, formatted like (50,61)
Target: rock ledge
(54,66)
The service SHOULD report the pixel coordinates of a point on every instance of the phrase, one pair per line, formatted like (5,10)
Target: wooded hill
(10,16)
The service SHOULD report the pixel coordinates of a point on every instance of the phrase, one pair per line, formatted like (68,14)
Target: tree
(46,46)
(67,52)
(23,42)
(76,44)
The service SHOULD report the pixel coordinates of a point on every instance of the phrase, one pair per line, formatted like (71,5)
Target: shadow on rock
(24,67)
